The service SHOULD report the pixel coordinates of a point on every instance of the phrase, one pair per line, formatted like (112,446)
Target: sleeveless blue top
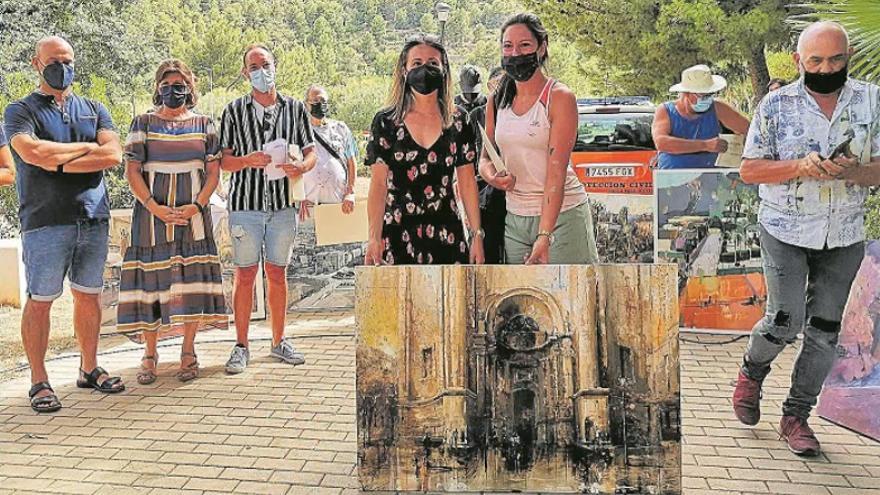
(706,126)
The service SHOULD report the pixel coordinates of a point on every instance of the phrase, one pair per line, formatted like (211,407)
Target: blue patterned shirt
(788,125)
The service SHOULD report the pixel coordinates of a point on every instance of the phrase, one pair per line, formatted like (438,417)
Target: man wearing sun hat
(686,130)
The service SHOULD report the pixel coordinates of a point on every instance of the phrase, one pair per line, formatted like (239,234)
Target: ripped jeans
(807,290)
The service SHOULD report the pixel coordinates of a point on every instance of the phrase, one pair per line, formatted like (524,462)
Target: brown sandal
(189,372)
(146,375)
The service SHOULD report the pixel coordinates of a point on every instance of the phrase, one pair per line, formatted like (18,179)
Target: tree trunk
(759,74)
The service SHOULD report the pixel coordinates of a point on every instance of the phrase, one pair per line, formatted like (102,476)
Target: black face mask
(173,96)
(425,79)
(521,67)
(319,110)
(58,75)
(825,83)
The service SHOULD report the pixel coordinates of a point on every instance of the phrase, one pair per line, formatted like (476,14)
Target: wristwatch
(473,234)
(199,206)
(548,234)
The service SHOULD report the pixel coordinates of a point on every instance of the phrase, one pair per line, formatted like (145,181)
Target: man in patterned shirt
(262,216)
(811,219)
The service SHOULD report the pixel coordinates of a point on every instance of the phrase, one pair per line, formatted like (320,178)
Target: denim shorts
(251,231)
(78,251)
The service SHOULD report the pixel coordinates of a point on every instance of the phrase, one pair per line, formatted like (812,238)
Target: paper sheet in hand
(732,158)
(276,149)
(297,191)
(492,152)
(334,227)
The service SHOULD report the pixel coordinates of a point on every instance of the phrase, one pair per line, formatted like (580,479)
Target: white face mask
(263,80)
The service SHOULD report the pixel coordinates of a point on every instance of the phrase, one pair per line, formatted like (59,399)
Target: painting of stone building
(518,378)
(851,395)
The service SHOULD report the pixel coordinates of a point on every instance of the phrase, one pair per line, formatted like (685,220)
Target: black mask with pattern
(521,67)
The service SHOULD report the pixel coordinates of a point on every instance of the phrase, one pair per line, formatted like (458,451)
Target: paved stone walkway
(276,430)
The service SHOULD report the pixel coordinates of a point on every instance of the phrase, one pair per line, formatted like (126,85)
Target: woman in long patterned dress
(171,271)
(417,146)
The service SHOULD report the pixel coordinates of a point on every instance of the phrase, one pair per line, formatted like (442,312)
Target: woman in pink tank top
(534,128)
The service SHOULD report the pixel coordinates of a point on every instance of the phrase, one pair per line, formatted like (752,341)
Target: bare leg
(150,341)
(35,339)
(243,301)
(277,295)
(87,325)
(189,344)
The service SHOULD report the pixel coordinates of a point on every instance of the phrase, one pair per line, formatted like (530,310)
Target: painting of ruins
(624,226)
(851,396)
(321,277)
(707,223)
(551,379)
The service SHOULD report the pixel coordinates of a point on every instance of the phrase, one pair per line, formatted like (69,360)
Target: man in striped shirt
(262,216)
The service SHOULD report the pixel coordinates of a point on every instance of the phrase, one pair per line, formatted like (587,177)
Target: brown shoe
(147,374)
(747,399)
(799,436)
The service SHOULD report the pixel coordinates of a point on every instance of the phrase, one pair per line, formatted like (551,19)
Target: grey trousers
(807,290)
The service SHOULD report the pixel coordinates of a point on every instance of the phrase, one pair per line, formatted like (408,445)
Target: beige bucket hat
(699,79)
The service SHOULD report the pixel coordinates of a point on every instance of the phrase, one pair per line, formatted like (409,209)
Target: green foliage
(649,42)
(781,65)
(872,217)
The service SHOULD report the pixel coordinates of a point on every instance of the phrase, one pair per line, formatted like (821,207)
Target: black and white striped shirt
(242,132)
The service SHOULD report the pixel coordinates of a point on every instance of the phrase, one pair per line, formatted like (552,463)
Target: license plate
(612,171)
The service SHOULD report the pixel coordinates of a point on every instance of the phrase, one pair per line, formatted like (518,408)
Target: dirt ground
(61,337)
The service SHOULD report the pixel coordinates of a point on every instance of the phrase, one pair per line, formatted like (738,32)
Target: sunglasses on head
(176,88)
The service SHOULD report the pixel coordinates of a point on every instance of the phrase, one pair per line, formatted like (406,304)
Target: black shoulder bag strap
(330,149)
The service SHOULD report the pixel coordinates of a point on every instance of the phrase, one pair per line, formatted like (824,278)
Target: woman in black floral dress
(419,144)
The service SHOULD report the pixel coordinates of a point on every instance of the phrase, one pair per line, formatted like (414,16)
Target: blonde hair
(400,99)
(171,66)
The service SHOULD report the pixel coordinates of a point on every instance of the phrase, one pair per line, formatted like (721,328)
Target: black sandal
(44,404)
(108,386)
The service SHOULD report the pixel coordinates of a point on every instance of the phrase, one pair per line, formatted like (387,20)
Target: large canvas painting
(624,226)
(707,223)
(510,378)
(851,396)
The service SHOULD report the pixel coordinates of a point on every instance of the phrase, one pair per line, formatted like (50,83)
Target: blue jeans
(252,230)
(807,290)
(78,251)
